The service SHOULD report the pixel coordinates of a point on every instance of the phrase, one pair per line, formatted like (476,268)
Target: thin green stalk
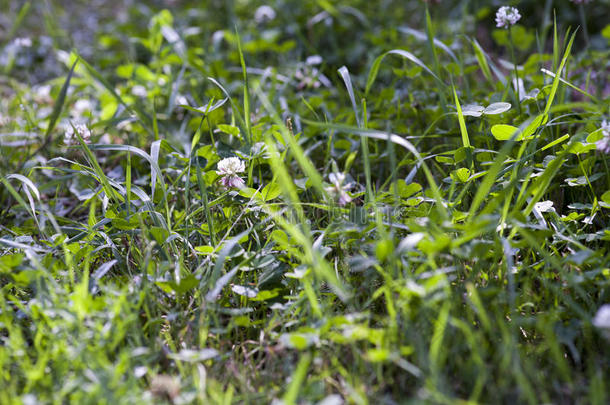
(512,54)
(366,156)
(204,197)
(583,21)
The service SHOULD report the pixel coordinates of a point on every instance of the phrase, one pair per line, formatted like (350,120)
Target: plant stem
(516,83)
(583,21)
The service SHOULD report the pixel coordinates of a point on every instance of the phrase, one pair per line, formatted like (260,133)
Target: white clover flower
(580,1)
(602,317)
(264,14)
(310,77)
(603,145)
(313,60)
(606,128)
(42,94)
(338,190)
(4,120)
(139,91)
(228,170)
(507,16)
(24,42)
(81,106)
(83,131)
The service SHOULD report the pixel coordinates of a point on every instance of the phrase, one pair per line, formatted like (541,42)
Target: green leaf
(187,283)
(461,175)
(205,249)
(248,192)
(407,190)
(473,110)
(229,129)
(10,261)
(271,191)
(503,132)
(378,355)
(496,108)
(606,197)
(533,126)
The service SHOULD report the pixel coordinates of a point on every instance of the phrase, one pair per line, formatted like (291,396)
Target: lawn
(304,202)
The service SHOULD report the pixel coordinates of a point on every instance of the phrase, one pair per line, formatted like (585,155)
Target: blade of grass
(363,141)
(246,92)
(23,12)
(405,54)
(566,54)
(463,131)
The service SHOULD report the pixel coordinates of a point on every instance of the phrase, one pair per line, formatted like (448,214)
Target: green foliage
(405,227)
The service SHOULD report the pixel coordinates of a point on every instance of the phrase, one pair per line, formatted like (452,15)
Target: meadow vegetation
(304,202)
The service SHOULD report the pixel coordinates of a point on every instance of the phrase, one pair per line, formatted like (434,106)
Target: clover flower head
(580,1)
(81,129)
(603,145)
(228,170)
(606,128)
(507,16)
(4,120)
(602,317)
(263,14)
(337,190)
(24,42)
(139,91)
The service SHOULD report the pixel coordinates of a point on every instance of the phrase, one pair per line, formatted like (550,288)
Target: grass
(405,232)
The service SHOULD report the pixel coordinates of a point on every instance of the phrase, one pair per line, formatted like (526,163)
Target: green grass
(403,234)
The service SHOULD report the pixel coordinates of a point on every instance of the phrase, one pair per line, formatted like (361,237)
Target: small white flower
(313,60)
(603,145)
(338,190)
(23,42)
(83,131)
(217,38)
(606,128)
(310,77)
(4,120)
(602,318)
(139,91)
(580,1)
(81,106)
(42,94)
(181,100)
(228,170)
(507,16)
(264,14)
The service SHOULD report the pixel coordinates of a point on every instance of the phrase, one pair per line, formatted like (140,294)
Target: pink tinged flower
(507,16)
(338,190)
(232,182)
(228,170)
